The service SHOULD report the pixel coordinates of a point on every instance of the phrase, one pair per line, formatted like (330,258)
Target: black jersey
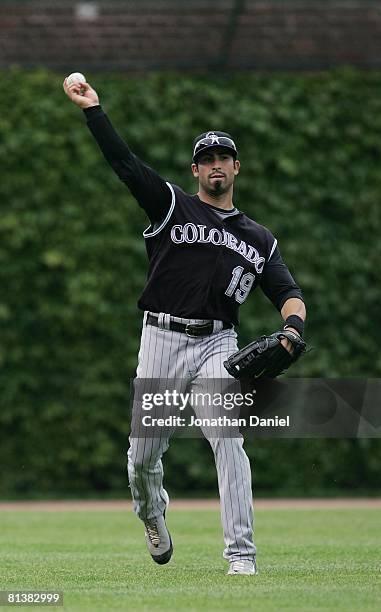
(203,262)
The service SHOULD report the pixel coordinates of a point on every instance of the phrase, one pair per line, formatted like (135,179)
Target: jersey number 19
(245,284)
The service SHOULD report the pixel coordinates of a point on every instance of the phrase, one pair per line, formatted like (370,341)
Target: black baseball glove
(265,357)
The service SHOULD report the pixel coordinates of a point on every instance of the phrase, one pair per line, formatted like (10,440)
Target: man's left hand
(286,343)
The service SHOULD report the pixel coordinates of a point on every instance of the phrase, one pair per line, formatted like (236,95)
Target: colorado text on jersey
(196,233)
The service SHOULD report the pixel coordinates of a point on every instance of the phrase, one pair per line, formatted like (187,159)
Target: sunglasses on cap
(213,140)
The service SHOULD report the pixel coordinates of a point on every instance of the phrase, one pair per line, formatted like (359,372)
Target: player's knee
(145,457)
(141,462)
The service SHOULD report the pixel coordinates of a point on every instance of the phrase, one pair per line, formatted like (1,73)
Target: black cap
(209,140)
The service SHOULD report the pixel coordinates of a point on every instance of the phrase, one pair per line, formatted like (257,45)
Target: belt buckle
(189,333)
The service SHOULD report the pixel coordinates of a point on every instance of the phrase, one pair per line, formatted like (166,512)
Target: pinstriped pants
(166,354)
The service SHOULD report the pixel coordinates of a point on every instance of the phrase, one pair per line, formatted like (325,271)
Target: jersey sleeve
(277,282)
(148,188)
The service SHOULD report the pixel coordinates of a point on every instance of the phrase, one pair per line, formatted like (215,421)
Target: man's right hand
(82,94)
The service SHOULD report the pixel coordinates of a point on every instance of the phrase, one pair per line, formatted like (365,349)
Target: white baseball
(75,77)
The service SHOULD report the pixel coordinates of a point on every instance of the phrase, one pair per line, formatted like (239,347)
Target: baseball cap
(208,140)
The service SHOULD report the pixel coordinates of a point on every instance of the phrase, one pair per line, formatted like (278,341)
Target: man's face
(216,170)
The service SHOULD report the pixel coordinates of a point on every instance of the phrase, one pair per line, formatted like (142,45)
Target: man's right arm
(148,188)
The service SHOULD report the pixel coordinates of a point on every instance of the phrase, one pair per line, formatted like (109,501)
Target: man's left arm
(294,313)
(280,287)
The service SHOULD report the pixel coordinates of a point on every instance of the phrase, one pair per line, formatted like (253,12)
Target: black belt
(192,330)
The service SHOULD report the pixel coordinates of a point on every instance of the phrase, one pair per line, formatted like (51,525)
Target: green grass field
(308,559)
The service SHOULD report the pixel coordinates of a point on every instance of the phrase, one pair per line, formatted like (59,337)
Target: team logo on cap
(213,137)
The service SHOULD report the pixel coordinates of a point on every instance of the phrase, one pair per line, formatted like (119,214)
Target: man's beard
(217,188)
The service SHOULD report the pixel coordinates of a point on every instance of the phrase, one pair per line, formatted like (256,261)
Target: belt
(195,330)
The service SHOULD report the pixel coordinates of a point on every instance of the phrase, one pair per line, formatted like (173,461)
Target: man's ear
(195,170)
(237,166)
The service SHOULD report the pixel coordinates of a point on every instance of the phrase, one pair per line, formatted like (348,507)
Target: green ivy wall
(72,264)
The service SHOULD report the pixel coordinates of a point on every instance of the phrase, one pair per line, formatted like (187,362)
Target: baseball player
(205,257)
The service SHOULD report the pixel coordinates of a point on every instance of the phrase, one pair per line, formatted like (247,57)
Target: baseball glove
(265,357)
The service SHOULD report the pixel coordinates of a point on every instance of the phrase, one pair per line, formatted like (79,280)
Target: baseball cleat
(243,567)
(158,539)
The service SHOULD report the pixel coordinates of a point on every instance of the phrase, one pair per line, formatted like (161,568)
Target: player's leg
(150,499)
(161,362)
(161,359)
(234,483)
(232,463)
(145,472)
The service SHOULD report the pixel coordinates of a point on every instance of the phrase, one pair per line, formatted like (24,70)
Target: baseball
(75,77)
